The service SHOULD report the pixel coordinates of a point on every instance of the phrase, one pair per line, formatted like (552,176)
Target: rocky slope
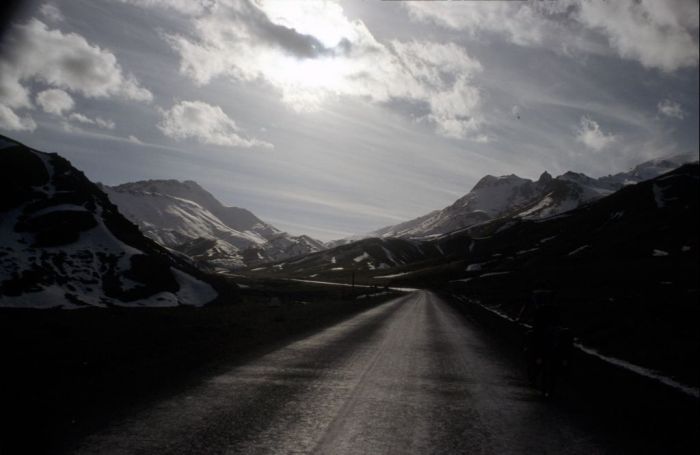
(64,244)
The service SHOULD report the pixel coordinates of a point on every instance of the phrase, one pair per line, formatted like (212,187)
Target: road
(409,376)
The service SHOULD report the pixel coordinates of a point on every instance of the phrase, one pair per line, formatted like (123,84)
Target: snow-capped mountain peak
(510,195)
(187,218)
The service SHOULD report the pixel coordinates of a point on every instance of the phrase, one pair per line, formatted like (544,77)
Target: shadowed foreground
(409,376)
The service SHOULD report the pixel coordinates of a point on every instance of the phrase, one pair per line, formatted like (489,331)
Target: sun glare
(324,21)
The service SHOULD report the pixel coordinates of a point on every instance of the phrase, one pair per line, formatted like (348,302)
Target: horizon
(392,111)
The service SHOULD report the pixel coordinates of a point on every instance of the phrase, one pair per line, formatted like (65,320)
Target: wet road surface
(409,376)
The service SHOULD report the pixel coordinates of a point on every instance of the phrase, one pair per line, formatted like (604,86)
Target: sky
(338,118)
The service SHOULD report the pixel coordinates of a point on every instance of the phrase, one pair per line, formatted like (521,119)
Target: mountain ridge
(510,195)
(185,217)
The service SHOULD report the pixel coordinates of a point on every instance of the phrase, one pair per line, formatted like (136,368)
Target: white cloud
(134,139)
(12,92)
(520,22)
(51,12)
(590,134)
(671,109)
(55,101)
(62,60)
(657,34)
(310,52)
(10,121)
(206,123)
(97,121)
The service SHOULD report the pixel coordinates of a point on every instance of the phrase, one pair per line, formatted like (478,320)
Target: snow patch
(577,250)
(363,257)
(546,202)
(193,291)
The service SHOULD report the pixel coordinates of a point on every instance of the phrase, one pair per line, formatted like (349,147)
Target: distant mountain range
(68,242)
(494,205)
(64,244)
(186,218)
(510,195)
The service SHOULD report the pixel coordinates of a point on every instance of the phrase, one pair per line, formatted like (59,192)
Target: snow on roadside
(692,391)
(395,275)
(646,372)
(486,275)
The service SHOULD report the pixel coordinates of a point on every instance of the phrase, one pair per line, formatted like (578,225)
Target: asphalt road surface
(409,376)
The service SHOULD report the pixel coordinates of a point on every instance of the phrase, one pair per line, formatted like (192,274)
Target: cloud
(51,12)
(520,22)
(590,134)
(62,60)
(661,35)
(58,102)
(12,92)
(657,34)
(671,109)
(134,139)
(206,123)
(9,120)
(97,121)
(310,52)
(55,101)
(188,7)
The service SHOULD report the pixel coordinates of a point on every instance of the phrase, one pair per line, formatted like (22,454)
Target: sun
(324,20)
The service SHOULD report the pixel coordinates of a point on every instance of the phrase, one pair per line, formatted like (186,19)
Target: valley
(167,286)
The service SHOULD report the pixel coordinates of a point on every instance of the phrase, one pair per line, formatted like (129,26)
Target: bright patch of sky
(337,118)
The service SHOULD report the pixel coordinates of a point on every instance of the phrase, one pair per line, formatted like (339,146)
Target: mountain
(506,196)
(372,255)
(186,218)
(64,244)
(493,213)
